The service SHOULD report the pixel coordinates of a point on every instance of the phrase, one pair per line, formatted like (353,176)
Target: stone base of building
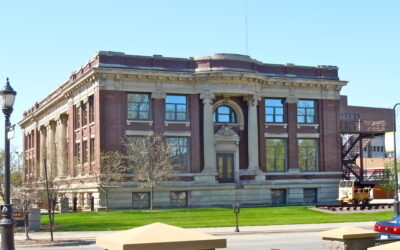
(183,194)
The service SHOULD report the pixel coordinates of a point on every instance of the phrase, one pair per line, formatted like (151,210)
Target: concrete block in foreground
(159,236)
(348,238)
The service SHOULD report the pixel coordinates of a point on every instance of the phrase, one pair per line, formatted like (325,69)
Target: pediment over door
(226,133)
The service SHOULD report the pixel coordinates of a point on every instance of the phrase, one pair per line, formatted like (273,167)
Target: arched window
(225,114)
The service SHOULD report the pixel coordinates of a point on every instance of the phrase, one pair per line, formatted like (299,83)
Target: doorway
(225,167)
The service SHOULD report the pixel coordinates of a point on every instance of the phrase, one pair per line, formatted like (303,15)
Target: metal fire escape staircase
(356,136)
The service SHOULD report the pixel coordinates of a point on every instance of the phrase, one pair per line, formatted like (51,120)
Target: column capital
(252,100)
(62,118)
(207,96)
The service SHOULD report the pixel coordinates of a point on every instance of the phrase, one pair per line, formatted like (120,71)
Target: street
(253,241)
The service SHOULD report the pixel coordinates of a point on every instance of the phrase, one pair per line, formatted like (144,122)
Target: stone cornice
(66,90)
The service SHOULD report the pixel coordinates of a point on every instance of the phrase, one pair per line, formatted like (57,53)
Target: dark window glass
(225,114)
(140,200)
(307,154)
(276,154)
(179,151)
(306,111)
(85,151)
(179,199)
(78,153)
(175,108)
(78,117)
(310,195)
(92,147)
(278,196)
(138,107)
(84,113)
(91,108)
(274,110)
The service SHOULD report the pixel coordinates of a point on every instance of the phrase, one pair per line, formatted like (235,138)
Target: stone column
(43,153)
(62,149)
(51,149)
(210,165)
(252,133)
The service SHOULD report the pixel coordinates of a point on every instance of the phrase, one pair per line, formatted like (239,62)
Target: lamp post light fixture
(7,97)
(396,178)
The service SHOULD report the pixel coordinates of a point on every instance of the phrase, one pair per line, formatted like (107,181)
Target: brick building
(246,131)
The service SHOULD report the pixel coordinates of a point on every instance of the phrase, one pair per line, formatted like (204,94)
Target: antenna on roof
(246,27)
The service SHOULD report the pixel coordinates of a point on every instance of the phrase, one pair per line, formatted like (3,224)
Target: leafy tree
(150,161)
(112,171)
(15,171)
(389,166)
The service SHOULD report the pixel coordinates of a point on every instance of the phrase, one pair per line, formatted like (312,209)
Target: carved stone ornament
(226,130)
(252,99)
(292,98)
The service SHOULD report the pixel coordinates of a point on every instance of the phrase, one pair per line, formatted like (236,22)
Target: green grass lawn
(204,217)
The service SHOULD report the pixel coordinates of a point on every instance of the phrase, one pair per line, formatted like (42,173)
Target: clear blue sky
(42,42)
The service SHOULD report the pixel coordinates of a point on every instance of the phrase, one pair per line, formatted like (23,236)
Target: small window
(176,108)
(278,196)
(306,112)
(310,195)
(140,200)
(225,114)
(138,106)
(179,199)
(274,110)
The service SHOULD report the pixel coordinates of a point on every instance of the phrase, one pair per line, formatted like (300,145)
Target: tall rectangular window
(176,108)
(91,109)
(306,112)
(85,151)
(84,113)
(276,154)
(78,117)
(274,110)
(307,154)
(92,149)
(139,106)
(179,151)
(78,153)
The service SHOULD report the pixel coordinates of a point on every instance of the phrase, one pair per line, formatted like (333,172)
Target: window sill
(129,122)
(310,125)
(284,125)
(186,123)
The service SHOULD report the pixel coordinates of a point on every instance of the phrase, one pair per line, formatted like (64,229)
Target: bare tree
(54,192)
(112,171)
(150,161)
(26,197)
(15,169)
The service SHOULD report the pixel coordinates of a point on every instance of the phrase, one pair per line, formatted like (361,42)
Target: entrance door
(225,167)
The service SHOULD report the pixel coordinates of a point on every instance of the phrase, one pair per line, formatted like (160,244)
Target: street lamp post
(7,97)
(396,178)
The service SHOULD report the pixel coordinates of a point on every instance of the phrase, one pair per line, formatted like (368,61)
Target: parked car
(388,229)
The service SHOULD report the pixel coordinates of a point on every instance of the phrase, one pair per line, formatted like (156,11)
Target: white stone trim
(186,123)
(299,125)
(139,132)
(280,135)
(129,122)
(179,134)
(276,125)
(307,135)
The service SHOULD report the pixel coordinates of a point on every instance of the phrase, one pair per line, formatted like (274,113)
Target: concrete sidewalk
(91,235)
